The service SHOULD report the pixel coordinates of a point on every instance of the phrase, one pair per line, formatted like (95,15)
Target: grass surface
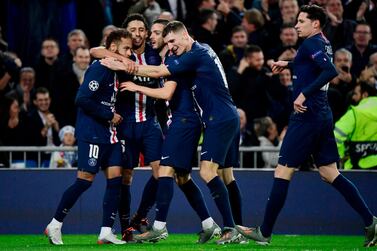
(178,242)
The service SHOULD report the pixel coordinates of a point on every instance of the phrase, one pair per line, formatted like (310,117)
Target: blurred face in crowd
(212,22)
(306,27)
(75,41)
(247,26)
(335,7)
(42,102)
(69,139)
(362,35)
(124,47)
(139,33)
(178,42)
(157,41)
(272,130)
(255,60)
(342,60)
(373,60)
(289,10)
(318,2)
(288,37)
(50,49)
(239,39)
(82,58)
(285,77)
(166,15)
(14,108)
(106,32)
(27,80)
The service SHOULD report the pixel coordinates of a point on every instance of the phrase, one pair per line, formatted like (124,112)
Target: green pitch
(178,242)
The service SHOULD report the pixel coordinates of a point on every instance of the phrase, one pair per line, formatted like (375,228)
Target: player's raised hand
(298,105)
(278,66)
(113,64)
(129,86)
(116,119)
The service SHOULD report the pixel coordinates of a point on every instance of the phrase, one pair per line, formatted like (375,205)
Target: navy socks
(111,201)
(148,198)
(124,207)
(235,200)
(164,196)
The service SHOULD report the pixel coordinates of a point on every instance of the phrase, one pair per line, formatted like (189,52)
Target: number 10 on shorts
(93,151)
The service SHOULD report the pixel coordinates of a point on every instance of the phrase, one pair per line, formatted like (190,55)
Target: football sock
(164,196)
(148,198)
(111,201)
(219,194)
(124,207)
(195,198)
(274,205)
(353,197)
(70,197)
(235,200)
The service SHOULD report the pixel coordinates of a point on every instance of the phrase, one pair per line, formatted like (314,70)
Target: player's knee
(182,179)
(85,176)
(227,175)
(127,177)
(155,165)
(284,172)
(328,173)
(207,173)
(166,171)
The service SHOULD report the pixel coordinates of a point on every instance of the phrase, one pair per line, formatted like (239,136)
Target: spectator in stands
(13,129)
(166,15)
(47,68)
(204,31)
(361,48)
(43,128)
(105,32)
(24,91)
(248,138)
(75,39)
(251,91)
(231,14)
(231,56)
(64,92)
(341,86)
(9,72)
(338,30)
(69,158)
(150,9)
(357,130)
(369,76)
(287,48)
(181,10)
(366,11)
(265,129)
(253,23)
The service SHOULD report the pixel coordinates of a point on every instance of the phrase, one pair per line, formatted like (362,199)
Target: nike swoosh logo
(202,153)
(165,157)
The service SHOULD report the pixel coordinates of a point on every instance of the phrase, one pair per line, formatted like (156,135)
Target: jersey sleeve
(88,91)
(315,51)
(186,62)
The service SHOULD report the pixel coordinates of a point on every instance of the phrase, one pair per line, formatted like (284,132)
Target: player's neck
(315,32)
(140,50)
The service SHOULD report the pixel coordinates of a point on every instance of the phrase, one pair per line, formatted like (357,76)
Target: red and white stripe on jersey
(113,130)
(140,99)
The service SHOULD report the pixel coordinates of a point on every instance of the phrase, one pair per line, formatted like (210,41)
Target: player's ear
(113,47)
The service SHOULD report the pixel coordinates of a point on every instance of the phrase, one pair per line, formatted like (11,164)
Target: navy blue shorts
(221,143)
(304,138)
(143,137)
(93,157)
(180,144)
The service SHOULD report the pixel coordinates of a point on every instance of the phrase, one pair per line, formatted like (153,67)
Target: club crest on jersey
(92,162)
(93,85)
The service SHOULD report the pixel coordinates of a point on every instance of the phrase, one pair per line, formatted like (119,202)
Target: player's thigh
(232,158)
(89,156)
(152,141)
(298,144)
(179,146)
(326,151)
(218,139)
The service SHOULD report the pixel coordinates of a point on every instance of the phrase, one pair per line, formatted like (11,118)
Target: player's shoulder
(97,67)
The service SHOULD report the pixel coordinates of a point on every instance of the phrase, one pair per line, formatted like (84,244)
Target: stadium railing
(10,150)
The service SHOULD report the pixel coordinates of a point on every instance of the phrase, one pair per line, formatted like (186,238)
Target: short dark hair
(134,17)
(250,49)
(254,16)
(238,28)
(287,26)
(41,90)
(82,47)
(204,15)
(164,22)
(315,12)
(173,26)
(362,22)
(365,87)
(116,36)
(51,39)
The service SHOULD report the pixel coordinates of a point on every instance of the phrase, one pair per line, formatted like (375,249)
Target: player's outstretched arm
(152,71)
(102,52)
(278,66)
(166,92)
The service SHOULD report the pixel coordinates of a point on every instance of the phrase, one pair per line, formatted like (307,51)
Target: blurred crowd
(37,90)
